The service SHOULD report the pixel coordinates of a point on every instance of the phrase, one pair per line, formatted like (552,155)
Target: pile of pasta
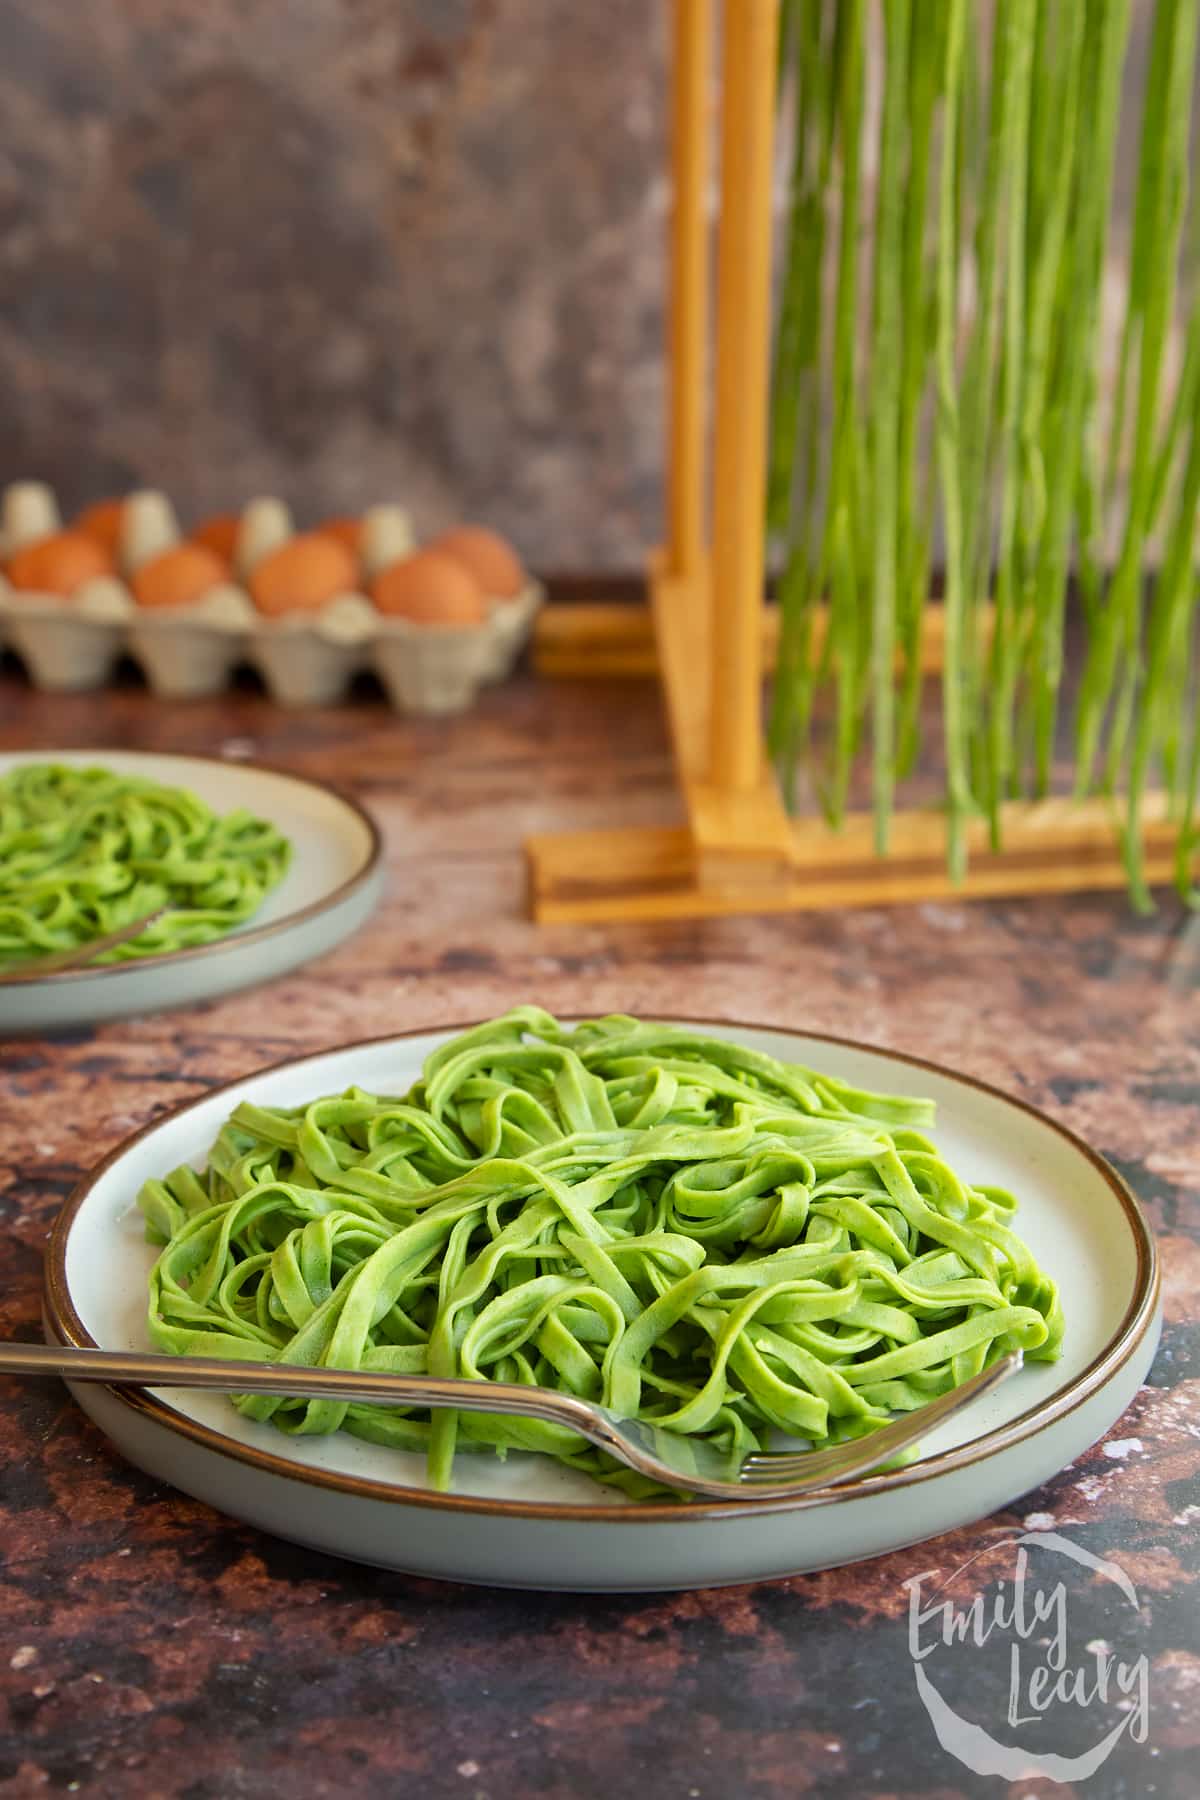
(85,851)
(676,1226)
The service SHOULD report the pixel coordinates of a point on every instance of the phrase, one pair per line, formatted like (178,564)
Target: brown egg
(60,563)
(347,531)
(430,589)
(490,558)
(218,534)
(178,576)
(102,522)
(303,574)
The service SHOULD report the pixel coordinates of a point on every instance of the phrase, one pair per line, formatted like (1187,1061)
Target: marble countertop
(151,1648)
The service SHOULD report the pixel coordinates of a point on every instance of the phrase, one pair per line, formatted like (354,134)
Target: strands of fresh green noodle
(845,587)
(1166,638)
(994,754)
(1083,263)
(992,172)
(928,27)
(1167,145)
(950,453)
(794,462)
(1057,96)
(680,1228)
(885,409)
(84,851)
(1171,698)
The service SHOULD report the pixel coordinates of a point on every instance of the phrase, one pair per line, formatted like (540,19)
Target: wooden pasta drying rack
(709,633)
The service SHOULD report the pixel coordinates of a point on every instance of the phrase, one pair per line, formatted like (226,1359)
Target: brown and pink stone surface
(151,1648)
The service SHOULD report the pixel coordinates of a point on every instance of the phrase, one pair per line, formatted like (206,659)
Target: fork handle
(80,954)
(230,1376)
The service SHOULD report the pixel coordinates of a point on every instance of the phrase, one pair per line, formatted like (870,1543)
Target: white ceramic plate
(530,1523)
(332,885)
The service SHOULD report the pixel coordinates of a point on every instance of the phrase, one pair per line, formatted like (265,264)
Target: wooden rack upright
(738,850)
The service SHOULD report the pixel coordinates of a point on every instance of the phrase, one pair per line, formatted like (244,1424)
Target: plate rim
(254,934)
(62,1319)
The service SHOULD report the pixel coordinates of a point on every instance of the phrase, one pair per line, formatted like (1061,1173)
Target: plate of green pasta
(756,1236)
(240,873)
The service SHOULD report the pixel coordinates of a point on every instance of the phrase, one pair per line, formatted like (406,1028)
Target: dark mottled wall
(346,250)
(341,250)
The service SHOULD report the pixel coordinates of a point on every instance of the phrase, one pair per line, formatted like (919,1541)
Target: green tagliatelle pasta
(84,851)
(684,1229)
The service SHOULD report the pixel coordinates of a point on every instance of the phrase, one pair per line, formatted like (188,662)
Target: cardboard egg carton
(185,651)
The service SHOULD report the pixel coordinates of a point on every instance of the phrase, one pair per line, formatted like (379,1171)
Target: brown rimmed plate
(333,883)
(530,1523)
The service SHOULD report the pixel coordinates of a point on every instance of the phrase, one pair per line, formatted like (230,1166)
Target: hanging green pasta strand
(1162,200)
(1173,699)
(926,56)
(1171,616)
(846,633)
(794,462)
(979,380)
(885,409)
(1103,51)
(949,451)
(1159,314)
(1019,19)
(1058,83)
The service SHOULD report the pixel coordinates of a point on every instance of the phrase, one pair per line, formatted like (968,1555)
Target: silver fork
(666,1456)
(75,958)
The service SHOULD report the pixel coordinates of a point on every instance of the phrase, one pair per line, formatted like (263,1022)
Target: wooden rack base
(614,640)
(1050,846)
(740,852)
